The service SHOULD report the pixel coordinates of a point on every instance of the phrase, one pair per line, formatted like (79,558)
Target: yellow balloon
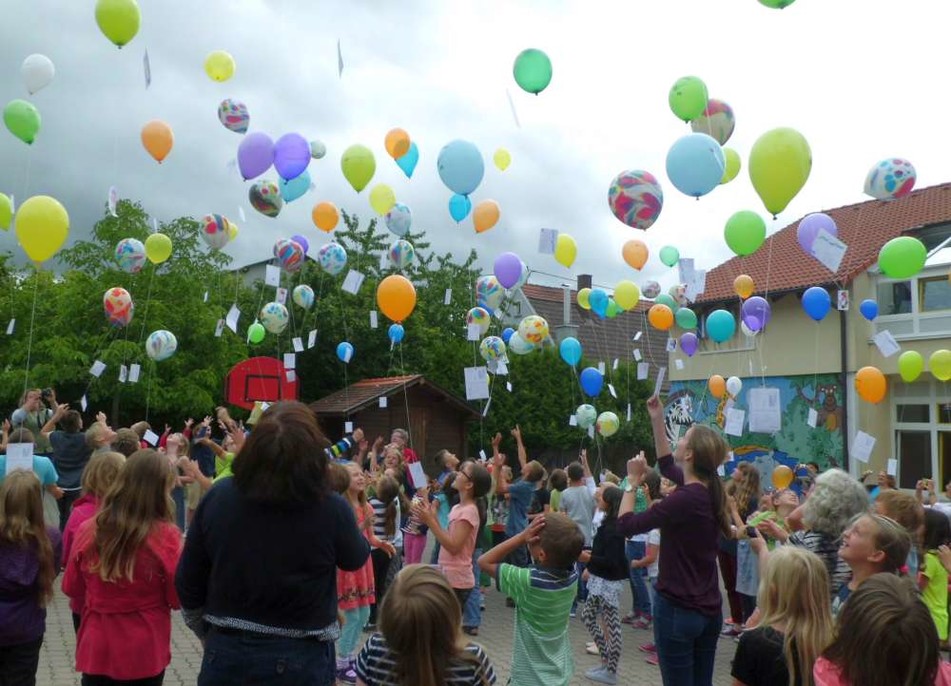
(743,286)
(566,250)
(158,248)
(382,198)
(940,363)
(219,65)
(232,230)
(118,19)
(42,225)
(732,167)
(502,159)
(780,162)
(584,301)
(627,294)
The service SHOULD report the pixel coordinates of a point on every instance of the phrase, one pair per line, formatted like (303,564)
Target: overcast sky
(861,79)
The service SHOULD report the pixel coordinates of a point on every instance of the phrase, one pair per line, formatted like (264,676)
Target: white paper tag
(123,373)
(686,269)
(629,412)
(501,368)
(154,225)
(482,456)
(892,468)
(241,214)
(352,282)
(829,250)
(765,410)
(601,368)
(340,75)
(615,364)
(374,319)
(659,384)
(348,427)
(862,446)
(886,343)
(134,370)
(637,336)
(813,418)
(272,275)
(311,339)
(447,298)
(98,367)
(643,369)
(298,344)
(417,474)
(83,403)
(290,375)
(573,420)
(696,286)
(383,401)
(473,332)
(842,301)
(734,422)
(671,345)
(113,200)
(637,355)
(281,296)
(612,391)
(19,456)
(485,410)
(591,431)
(477,383)
(232,318)
(678,364)
(150,437)
(508,386)
(147,69)
(546,241)
(290,361)
(219,328)
(11,327)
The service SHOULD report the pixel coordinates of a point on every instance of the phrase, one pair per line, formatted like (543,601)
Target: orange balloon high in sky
(397,143)
(635,253)
(158,139)
(325,216)
(485,215)
(396,297)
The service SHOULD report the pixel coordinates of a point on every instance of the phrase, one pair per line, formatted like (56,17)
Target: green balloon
(745,232)
(686,319)
(910,365)
(902,257)
(669,255)
(665,299)
(688,98)
(777,4)
(23,120)
(532,71)
(613,309)
(256,333)
(118,20)
(358,165)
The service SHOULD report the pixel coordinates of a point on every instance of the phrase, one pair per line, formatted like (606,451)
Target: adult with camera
(36,411)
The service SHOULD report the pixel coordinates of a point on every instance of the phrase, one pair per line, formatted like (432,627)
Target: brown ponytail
(709,452)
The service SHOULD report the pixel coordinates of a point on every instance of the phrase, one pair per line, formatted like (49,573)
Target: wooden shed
(434,417)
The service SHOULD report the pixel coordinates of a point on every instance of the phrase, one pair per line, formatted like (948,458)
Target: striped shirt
(376,666)
(379,522)
(541,653)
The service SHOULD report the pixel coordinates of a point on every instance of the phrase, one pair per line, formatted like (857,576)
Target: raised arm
(50,425)
(498,465)
(522,454)
(661,445)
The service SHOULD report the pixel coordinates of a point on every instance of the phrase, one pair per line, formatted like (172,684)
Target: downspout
(844,356)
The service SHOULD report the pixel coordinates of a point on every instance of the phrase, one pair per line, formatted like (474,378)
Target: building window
(934,294)
(914,456)
(894,297)
(912,414)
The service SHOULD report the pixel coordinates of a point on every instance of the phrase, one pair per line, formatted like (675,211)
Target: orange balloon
(157,137)
(485,215)
(396,297)
(325,216)
(397,143)
(717,386)
(661,317)
(782,477)
(743,286)
(635,253)
(870,384)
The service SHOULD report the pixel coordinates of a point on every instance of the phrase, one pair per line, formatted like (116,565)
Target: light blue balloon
(396,333)
(591,381)
(345,352)
(408,161)
(695,164)
(570,350)
(459,207)
(460,167)
(296,187)
(816,302)
(507,334)
(721,325)
(599,301)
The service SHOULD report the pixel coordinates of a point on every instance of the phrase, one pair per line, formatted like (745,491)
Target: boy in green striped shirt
(543,595)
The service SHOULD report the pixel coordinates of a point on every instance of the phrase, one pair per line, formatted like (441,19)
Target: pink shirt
(84,509)
(458,567)
(826,673)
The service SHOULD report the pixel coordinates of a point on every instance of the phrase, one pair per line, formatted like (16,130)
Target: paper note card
(113,200)
(417,474)
(842,301)
(615,364)
(290,375)
(477,383)
(573,420)
(659,383)
(629,412)
(147,69)
(353,281)
(612,391)
(383,401)
(473,332)
(11,326)
(447,298)
(637,355)
(485,410)
(813,418)
(312,339)
(123,373)
(83,403)
(19,456)
(637,336)
(678,364)
(671,345)
(765,410)
(892,468)
(150,437)
(204,298)
(98,367)
(601,368)
(643,369)
(219,328)
(134,370)
(272,275)
(508,386)
(232,318)
(734,422)
(281,296)
(501,368)
(298,344)
(886,343)
(374,319)
(546,241)
(862,446)
(290,361)
(829,250)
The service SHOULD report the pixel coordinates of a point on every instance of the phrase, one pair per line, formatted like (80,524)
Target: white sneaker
(601,675)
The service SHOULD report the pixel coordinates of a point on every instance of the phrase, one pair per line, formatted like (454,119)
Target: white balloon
(734,386)
(37,72)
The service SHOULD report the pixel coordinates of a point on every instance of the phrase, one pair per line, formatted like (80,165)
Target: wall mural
(796,442)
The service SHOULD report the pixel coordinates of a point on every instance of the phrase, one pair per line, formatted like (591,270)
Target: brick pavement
(56,659)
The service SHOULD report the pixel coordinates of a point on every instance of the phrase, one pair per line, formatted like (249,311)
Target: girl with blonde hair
(795,624)
(420,641)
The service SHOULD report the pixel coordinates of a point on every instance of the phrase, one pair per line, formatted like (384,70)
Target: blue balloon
(695,164)
(460,167)
(345,352)
(570,350)
(296,187)
(459,207)
(816,302)
(591,381)
(869,309)
(599,301)
(408,161)
(396,333)
(721,325)
(507,334)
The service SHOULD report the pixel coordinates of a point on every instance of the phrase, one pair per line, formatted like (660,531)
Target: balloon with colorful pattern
(289,254)
(635,197)
(717,121)
(519,346)
(161,345)
(492,348)
(585,415)
(399,219)
(303,296)
(533,329)
(890,179)
(402,254)
(274,317)
(489,292)
(332,258)
(265,197)
(215,231)
(234,116)
(607,424)
(130,255)
(650,289)
(118,306)
(480,317)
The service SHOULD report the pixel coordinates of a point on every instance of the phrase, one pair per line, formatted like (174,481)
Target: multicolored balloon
(607,424)
(635,197)
(717,121)
(480,317)
(303,296)
(890,179)
(489,292)
(118,306)
(650,289)
(332,258)
(274,317)
(289,254)
(402,254)
(533,329)
(130,255)
(492,348)
(399,219)
(234,116)
(265,197)
(161,345)
(215,231)
(585,415)
(519,346)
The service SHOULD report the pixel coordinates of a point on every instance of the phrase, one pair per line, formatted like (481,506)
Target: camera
(46,395)
(751,532)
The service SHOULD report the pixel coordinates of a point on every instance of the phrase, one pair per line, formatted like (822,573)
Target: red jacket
(83,510)
(126,626)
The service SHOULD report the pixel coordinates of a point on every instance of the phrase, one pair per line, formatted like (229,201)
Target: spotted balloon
(161,345)
(402,254)
(234,116)
(479,316)
(716,121)
(274,317)
(399,219)
(130,255)
(533,329)
(891,178)
(492,348)
(635,197)
(489,292)
(332,258)
(650,289)
(303,296)
(215,231)
(265,197)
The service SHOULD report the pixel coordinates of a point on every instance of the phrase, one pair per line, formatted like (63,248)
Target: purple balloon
(689,343)
(755,313)
(255,155)
(508,269)
(291,155)
(302,241)
(811,225)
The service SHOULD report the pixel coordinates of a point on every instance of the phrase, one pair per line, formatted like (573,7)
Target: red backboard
(258,378)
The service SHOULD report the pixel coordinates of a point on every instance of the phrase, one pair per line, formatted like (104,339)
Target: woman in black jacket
(606,575)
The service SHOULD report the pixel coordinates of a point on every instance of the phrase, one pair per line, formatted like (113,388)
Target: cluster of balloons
(911,364)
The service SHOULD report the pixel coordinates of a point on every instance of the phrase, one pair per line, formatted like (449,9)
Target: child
(543,595)
(795,624)
(932,576)
(872,544)
(905,509)
(577,501)
(557,482)
(386,511)
(98,477)
(421,642)
(650,562)
(636,549)
(123,563)
(884,637)
(520,493)
(30,552)
(355,590)
(606,575)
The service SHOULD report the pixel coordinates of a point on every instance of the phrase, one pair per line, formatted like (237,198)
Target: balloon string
(26,176)
(29,345)
(148,390)
(148,299)
(409,430)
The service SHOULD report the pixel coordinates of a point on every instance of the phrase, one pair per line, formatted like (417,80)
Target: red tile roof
(365,393)
(782,265)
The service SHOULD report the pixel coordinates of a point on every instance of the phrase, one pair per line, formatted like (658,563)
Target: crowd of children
(299,561)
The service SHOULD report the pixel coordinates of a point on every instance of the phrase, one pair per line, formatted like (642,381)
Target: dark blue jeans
(641,597)
(240,658)
(686,643)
